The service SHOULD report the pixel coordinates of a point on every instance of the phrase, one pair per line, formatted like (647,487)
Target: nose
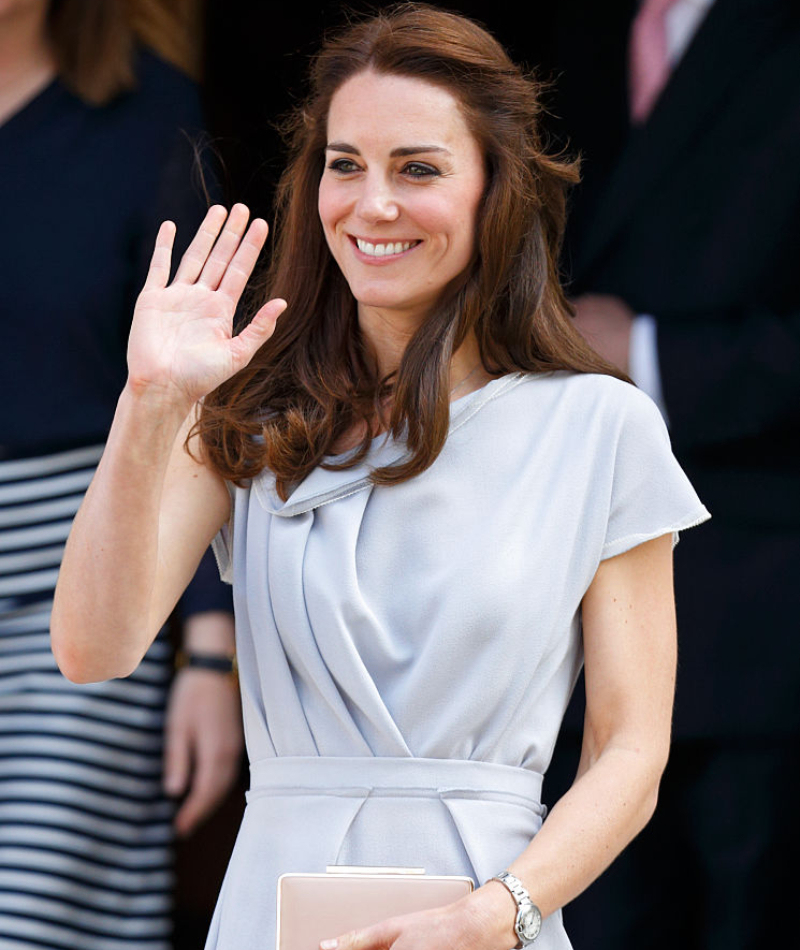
(377,200)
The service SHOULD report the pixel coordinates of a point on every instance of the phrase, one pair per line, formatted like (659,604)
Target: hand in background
(203,740)
(606,322)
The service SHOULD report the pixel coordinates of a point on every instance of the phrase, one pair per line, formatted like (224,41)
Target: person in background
(94,151)
(682,250)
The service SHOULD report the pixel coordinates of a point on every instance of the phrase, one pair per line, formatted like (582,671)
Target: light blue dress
(407,652)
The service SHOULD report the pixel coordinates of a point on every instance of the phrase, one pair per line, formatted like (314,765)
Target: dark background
(257,56)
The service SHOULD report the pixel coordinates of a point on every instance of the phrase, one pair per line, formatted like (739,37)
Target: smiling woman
(432,498)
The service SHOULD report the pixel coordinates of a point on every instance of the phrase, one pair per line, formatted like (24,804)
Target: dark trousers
(712,869)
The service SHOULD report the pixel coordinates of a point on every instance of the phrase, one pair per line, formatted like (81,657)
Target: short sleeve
(222,542)
(650,493)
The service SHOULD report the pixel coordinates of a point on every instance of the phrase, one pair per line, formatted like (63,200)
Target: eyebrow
(395,153)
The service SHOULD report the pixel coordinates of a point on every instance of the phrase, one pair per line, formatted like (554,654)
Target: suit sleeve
(729,380)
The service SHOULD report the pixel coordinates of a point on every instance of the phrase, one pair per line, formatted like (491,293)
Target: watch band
(216,662)
(529,918)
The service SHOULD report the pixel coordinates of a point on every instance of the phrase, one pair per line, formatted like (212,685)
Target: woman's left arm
(630,647)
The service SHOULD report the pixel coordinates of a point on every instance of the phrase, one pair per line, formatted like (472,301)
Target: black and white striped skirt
(85,830)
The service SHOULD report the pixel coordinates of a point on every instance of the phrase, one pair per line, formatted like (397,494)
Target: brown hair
(94,41)
(313,381)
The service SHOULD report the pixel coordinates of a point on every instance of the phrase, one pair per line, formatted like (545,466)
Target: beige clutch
(313,907)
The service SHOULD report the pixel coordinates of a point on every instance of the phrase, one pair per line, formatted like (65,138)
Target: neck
(467,372)
(388,334)
(26,61)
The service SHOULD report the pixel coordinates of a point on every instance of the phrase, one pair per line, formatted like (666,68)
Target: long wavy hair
(314,380)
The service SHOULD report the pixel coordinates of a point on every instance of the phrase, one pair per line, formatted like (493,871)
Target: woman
(433,485)
(91,128)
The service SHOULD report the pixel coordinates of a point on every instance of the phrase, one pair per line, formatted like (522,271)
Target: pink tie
(649,65)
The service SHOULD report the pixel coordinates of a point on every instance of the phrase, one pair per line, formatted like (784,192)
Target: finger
(197,252)
(256,333)
(225,247)
(177,761)
(186,819)
(207,788)
(161,261)
(240,267)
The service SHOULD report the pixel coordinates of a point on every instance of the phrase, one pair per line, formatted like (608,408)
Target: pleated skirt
(85,830)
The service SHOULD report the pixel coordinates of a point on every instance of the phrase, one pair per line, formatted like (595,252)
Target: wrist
(528,917)
(162,404)
(210,631)
(217,664)
(146,426)
(490,917)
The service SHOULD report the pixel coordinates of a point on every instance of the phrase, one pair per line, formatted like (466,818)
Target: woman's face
(399,196)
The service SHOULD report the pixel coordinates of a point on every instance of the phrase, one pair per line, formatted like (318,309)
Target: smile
(384,250)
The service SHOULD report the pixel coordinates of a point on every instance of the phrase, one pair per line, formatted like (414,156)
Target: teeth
(381,250)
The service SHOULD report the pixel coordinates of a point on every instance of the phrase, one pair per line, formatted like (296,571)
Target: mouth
(385,249)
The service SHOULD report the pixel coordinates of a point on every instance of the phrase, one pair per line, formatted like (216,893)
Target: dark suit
(695,219)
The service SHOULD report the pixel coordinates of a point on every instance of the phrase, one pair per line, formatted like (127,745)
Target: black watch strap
(216,662)
(201,661)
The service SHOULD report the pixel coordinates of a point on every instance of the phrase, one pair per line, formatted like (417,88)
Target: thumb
(245,344)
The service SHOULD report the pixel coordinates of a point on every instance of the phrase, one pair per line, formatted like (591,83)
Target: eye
(420,170)
(343,165)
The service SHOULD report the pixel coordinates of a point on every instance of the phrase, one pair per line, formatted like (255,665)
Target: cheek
(454,219)
(328,208)
(469,224)
(323,207)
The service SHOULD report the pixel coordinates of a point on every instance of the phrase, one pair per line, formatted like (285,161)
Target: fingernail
(329,944)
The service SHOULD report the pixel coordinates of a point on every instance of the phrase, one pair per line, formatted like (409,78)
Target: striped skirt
(85,831)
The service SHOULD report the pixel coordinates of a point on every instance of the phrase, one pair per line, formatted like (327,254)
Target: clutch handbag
(313,907)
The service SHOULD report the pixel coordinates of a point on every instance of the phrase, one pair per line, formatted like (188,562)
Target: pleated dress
(407,652)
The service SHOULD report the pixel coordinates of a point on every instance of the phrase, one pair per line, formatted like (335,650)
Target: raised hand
(181,343)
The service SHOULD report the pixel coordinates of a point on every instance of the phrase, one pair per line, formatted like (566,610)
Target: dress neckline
(323,485)
(456,406)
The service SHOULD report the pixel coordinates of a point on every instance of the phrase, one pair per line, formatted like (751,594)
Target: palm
(179,338)
(182,338)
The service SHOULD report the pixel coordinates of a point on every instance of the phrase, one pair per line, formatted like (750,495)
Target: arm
(630,650)
(151,509)
(203,732)
(203,737)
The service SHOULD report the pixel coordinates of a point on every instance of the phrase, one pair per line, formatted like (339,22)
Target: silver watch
(529,917)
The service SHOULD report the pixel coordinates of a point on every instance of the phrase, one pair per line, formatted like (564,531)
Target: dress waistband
(360,774)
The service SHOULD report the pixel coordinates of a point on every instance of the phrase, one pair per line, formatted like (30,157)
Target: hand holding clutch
(312,908)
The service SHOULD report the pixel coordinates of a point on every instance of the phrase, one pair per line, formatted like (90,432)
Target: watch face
(529,923)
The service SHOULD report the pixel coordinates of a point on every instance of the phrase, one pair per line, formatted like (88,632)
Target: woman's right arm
(152,509)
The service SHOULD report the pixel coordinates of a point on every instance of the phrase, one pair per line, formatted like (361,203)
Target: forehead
(398,110)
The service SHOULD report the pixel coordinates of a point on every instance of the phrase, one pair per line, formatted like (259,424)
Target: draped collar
(323,486)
